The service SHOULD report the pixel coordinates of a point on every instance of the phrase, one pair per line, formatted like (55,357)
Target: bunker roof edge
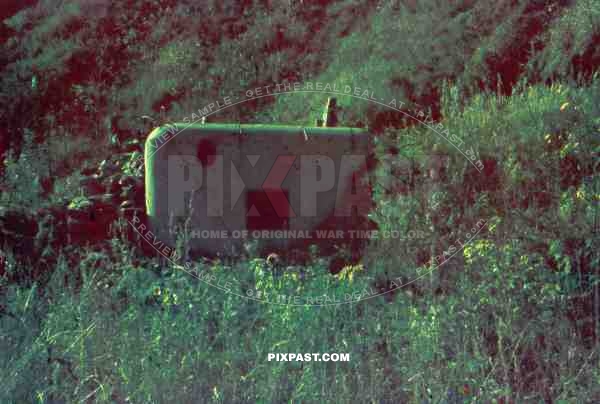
(177,127)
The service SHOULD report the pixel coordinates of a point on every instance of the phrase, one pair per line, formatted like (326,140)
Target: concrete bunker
(219,184)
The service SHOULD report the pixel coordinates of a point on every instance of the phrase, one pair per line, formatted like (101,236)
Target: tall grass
(118,331)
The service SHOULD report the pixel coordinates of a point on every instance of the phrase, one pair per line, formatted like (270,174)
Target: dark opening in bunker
(267,210)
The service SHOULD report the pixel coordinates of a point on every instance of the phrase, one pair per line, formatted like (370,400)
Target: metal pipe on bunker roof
(330,116)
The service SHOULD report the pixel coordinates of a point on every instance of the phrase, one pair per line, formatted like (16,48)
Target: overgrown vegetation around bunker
(88,314)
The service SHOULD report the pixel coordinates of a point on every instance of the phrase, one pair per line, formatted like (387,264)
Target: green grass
(115,331)
(510,318)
